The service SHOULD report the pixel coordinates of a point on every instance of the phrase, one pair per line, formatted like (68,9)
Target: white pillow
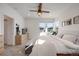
(77,41)
(60,35)
(69,37)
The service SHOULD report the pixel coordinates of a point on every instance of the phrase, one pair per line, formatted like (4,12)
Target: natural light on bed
(40,41)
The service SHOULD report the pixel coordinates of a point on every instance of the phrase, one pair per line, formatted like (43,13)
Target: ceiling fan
(39,10)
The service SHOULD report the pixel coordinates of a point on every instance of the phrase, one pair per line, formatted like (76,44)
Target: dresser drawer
(1,38)
(18,39)
(1,44)
(1,41)
(1,50)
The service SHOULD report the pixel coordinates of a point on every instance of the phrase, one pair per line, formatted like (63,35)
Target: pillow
(69,37)
(77,41)
(60,35)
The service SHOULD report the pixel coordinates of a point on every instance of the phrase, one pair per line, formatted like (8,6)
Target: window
(46,27)
(49,27)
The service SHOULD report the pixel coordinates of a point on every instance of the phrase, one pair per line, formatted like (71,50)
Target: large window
(46,27)
(49,27)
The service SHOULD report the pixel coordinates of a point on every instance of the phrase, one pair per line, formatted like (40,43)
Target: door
(8,30)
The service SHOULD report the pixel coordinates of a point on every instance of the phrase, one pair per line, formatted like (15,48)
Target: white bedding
(65,46)
(51,45)
(43,47)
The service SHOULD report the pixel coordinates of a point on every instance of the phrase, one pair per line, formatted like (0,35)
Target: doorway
(8,30)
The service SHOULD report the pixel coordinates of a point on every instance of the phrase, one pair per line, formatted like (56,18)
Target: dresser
(18,39)
(1,43)
(24,38)
(21,39)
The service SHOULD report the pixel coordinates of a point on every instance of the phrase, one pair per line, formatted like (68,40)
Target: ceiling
(56,9)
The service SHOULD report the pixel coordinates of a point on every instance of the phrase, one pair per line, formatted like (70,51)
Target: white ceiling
(56,9)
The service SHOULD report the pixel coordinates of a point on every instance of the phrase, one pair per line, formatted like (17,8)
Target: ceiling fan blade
(46,11)
(33,10)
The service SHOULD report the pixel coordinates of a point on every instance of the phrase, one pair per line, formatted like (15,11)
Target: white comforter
(51,45)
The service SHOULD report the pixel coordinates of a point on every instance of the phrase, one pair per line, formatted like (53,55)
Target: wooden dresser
(18,39)
(24,38)
(1,44)
(21,39)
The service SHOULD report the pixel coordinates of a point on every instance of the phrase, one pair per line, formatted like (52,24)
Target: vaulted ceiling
(56,9)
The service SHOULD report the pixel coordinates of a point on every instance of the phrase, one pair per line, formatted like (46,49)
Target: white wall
(32,24)
(7,10)
(1,23)
(70,12)
(71,29)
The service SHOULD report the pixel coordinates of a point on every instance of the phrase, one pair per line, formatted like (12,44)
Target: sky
(46,24)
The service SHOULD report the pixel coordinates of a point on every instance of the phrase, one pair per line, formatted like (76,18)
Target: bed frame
(73,54)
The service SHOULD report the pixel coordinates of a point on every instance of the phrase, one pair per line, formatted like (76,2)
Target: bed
(66,42)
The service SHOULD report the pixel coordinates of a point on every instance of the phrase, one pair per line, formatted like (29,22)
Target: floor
(14,51)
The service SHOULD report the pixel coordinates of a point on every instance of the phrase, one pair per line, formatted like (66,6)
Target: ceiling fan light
(39,14)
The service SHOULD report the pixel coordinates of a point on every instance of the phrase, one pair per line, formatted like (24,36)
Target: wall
(32,24)
(1,23)
(7,10)
(71,29)
(70,12)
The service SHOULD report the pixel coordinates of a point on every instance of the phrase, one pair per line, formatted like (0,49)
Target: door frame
(11,29)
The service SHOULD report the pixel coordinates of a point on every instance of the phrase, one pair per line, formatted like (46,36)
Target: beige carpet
(14,51)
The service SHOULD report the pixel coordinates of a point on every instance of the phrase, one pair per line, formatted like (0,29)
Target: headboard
(70,29)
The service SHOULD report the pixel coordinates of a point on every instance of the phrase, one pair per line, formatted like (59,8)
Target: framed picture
(24,30)
(67,22)
(76,20)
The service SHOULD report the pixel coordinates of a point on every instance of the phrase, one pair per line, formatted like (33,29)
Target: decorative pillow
(60,35)
(77,41)
(69,37)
